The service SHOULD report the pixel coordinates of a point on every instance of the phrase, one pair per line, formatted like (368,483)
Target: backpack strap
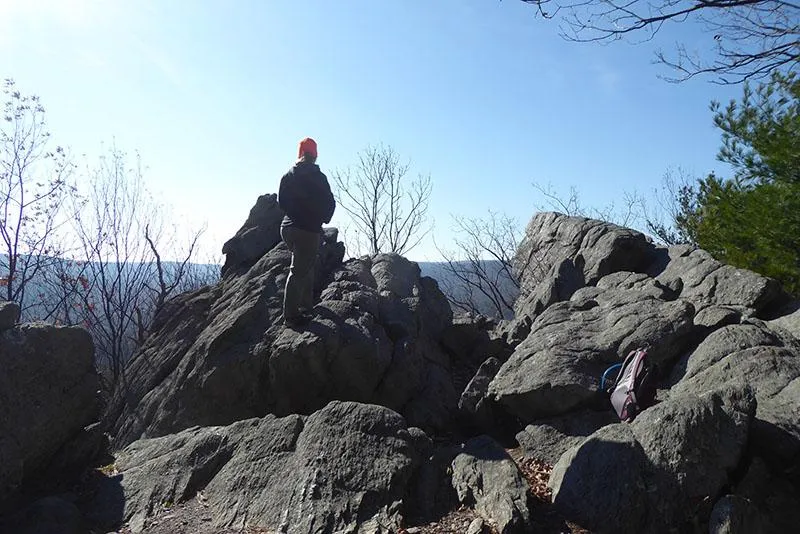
(628,358)
(606,373)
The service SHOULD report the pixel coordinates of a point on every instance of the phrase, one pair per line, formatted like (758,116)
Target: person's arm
(287,195)
(330,201)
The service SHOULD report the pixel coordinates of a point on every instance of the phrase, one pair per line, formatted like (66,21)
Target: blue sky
(479,94)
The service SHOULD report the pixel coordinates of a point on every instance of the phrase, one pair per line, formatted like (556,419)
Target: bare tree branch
(479,274)
(33,188)
(747,38)
(387,208)
(126,280)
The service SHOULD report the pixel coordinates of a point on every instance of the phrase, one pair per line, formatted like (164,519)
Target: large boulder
(733,514)
(486,478)
(559,365)
(48,394)
(693,446)
(374,340)
(660,473)
(721,343)
(700,278)
(548,439)
(344,468)
(560,254)
(789,321)
(221,354)
(600,484)
(9,314)
(754,356)
(197,366)
(475,408)
(257,236)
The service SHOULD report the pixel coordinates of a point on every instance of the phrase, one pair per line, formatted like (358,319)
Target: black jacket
(305,198)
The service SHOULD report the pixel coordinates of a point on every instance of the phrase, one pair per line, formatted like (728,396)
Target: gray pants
(298,295)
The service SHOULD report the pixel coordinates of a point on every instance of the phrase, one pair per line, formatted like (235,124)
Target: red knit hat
(307,146)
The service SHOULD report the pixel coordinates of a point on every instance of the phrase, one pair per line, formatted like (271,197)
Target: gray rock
(257,236)
(341,355)
(777,429)
(222,354)
(772,373)
(484,476)
(89,446)
(346,467)
(590,248)
(430,492)
(9,314)
(723,342)
(470,341)
(433,407)
(704,280)
(600,484)
(655,474)
(559,365)
(636,281)
(789,322)
(474,394)
(713,317)
(559,284)
(548,439)
(395,274)
(693,445)
(48,393)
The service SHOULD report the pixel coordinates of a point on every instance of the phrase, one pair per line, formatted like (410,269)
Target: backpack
(635,387)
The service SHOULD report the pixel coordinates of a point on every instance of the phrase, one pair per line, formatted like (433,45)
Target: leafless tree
(387,208)
(483,267)
(122,232)
(670,201)
(749,38)
(33,186)
(61,282)
(479,275)
(170,275)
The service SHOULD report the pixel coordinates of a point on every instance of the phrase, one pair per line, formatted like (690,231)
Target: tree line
(90,252)
(83,244)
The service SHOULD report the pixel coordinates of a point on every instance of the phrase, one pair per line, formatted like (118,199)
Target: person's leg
(307,296)
(304,252)
(290,303)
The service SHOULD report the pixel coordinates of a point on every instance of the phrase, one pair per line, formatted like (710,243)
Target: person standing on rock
(307,202)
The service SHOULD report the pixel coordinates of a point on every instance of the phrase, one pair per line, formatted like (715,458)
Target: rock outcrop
(727,354)
(342,469)
(485,477)
(557,368)
(366,419)
(560,254)
(656,473)
(221,354)
(258,235)
(48,395)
